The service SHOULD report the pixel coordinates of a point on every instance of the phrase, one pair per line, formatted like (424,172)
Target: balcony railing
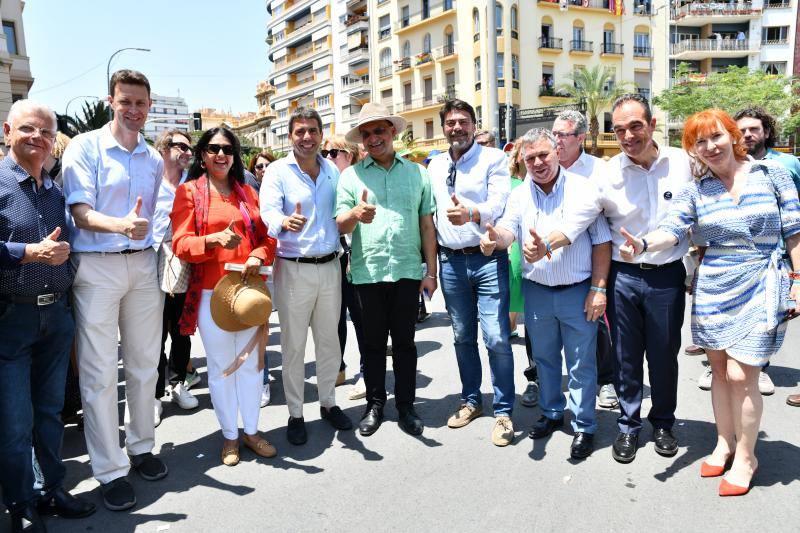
(444,51)
(644,92)
(612,48)
(422,15)
(713,9)
(552,43)
(642,51)
(426,100)
(709,45)
(548,90)
(402,64)
(580,46)
(774,41)
(354,82)
(422,58)
(777,4)
(385,72)
(362,50)
(384,33)
(355,19)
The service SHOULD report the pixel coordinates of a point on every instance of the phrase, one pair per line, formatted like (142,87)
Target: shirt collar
(22,175)
(556,187)
(466,156)
(108,141)
(292,160)
(626,161)
(369,161)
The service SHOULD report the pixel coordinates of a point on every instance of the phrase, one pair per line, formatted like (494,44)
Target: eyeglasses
(333,152)
(483,143)
(27,129)
(451,175)
(213,149)
(183,147)
(366,134)
(564,134)
(260,166)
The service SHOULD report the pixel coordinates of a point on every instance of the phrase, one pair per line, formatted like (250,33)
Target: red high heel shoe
(729,489)
(707,470)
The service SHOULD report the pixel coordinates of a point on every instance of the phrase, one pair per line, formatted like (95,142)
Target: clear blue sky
(211,52)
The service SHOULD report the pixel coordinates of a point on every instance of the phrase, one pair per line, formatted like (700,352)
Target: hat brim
(354,136)
(221,311)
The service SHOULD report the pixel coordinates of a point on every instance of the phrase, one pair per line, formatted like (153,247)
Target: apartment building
(15,69)
(166,112)
(351,60)
(427,51)
(256,126)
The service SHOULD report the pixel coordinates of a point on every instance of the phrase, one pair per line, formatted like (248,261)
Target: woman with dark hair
(744,291)
(258,164)
(216,221)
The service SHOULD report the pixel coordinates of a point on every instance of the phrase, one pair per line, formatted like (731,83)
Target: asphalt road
(450,480)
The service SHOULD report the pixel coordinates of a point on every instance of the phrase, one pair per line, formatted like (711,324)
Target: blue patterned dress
(742,283)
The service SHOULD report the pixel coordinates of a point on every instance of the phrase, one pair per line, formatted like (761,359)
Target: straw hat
(372,112)
(237,305)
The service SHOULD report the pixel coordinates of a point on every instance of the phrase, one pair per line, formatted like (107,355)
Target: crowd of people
(113,241)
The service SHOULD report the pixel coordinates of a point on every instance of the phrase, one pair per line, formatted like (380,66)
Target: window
(478,69)
(405,17)
(577,35)
(282,113)
(500,79)
(426,43)
(324,101)
(407,94)
(769,34)
(609,85)
(514,66)
(426,9)
(406,49)
(777,68)
(476,22)
(448,4)
(429,129)
(385,63)
(514,23)
(641,45)
(479,116)
(384,27)
(11,37)
(498,18)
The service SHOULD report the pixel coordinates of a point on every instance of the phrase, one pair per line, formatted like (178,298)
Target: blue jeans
(475,288)
(34,353)
(556,319)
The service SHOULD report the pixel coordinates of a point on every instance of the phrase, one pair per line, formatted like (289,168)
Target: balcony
(435,12)
(385,72)
(356,23)
(355,84)
(357,55)
(696,49)
(402,64)
(384,33)
(642,52)
(777,4)
(425,102)
(422,58)
(580,47)
(644,92)
(547,91)
(447,51)
(702,13)
(611,49)
(551,44)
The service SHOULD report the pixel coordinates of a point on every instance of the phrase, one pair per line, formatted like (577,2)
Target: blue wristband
(594,288)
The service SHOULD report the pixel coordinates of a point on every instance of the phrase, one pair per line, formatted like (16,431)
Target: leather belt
(40,300)
(313,260)
(129,251)
(469,250)
(648,266)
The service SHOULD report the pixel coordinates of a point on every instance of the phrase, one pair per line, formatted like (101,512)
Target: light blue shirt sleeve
(498,188)
(80,172)
(271,198)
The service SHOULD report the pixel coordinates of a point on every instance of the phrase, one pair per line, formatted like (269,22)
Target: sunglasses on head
(451,175)
(333,152)
(183,147)
(213,149)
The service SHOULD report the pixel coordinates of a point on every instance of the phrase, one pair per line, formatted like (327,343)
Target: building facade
(166,112)
(255,127)
(15,69)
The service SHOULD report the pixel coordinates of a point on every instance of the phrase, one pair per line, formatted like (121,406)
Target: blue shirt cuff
(13,254)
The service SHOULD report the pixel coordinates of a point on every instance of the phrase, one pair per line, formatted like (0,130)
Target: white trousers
(240,392)
(309,295)
(117,292)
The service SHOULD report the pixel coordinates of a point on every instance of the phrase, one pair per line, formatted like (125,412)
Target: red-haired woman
(743,209)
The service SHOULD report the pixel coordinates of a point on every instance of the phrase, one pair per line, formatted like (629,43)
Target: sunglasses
(183,147)
(564,135)
(213,149)
(260,166)
(333,152)
(366,134)
(451,175)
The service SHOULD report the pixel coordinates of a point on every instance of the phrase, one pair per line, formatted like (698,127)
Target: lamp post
(108,69)
(66,109)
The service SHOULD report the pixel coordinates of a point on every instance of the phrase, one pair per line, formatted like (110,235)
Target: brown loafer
(260,446)
(793,400)
(230,453)
(693,349)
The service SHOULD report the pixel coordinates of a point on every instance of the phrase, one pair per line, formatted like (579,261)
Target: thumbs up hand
(632,247)
(364,211)
(134,226)
(489,240)
(49,250)
(296,221)
(458,215)
(534,248)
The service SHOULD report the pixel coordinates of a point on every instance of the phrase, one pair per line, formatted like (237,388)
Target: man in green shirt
(385,201)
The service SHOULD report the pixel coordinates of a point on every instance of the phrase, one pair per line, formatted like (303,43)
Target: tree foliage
(95,116)
(731,90)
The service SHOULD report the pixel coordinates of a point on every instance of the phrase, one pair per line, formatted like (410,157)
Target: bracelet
(594,288)
(644,245)
(548,251)
(469,210)
(794,275)
(430,277)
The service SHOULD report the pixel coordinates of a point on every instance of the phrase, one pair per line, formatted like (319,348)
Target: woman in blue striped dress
(744,210)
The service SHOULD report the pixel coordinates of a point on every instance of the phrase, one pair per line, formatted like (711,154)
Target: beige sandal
(260,446)
(230,454)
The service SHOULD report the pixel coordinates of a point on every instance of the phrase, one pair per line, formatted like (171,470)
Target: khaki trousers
(117,292)
(309,295)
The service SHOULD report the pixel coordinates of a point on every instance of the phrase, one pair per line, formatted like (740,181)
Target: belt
(313,260)
(469,250)
(40,300)
(648,266)
(128,251)
(560,287)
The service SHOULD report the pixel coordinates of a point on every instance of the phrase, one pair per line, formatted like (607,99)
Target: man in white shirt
(646,298)
(471,184)
(569,130)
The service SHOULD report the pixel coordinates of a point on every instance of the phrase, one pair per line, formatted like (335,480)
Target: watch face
(667,195)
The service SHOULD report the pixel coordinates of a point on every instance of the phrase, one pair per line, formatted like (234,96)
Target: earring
(734,142)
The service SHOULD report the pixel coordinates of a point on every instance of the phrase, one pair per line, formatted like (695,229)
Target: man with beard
(385,201)
(111,181)
(471,183)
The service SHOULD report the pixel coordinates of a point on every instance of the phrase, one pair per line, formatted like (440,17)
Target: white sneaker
(159,409)
(184,398)
(265,395)
(359,389)
(530,398)
(765,384)
(704,381)
(607,397)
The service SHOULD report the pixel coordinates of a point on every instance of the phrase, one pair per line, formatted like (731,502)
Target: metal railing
(353,82)
(713,9)
(548,90)
(402,64)
(777,4)
(709,45)
(642,51)
(385,72)
(553,43)
(444,51)
(580,46)
(611,48)
(422,15)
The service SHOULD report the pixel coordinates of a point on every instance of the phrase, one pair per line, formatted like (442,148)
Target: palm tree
(596,88)
(95,116)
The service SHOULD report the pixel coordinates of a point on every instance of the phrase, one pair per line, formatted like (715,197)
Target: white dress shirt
(589,166)
(482,183)
(161,221)
(636,199)
(530,208)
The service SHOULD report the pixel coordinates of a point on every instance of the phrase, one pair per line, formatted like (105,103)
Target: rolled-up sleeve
(80,173)
(270,198)
(11,253)
(786,193)
(498,188)
(427,205)
(511,218)
(581,213)
(345,200)
(599,232)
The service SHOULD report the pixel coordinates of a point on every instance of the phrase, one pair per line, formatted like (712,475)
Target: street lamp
(108,68)
(66,109)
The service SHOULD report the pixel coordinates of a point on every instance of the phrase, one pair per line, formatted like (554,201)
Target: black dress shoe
(336,417)
(624,449)
(62,503)
(371,421)
(582,446)
(666,443)
(26,519)
(296,431)
(409,421)
(544,427)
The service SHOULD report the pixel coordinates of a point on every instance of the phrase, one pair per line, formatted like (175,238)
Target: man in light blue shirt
(111,182)
(471,184)
(297,198)
(560,311)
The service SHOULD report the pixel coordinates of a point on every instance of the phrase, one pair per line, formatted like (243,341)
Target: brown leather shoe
(230,453)
(793,400)
(693,349)
(260,446)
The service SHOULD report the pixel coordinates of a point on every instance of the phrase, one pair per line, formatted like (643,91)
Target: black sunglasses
(183,147)
(451,175)
(213,149)
(333,152)
(365,134)
(260,166)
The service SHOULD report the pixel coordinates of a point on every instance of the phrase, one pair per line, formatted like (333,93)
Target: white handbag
(173,273)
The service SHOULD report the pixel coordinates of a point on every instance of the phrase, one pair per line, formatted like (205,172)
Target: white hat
(373,112)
